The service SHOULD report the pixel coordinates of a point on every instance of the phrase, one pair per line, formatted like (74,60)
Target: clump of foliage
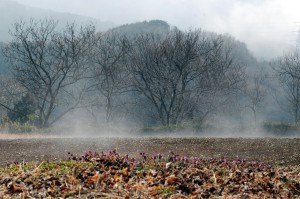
(112,175)
(23,111)
(22,118)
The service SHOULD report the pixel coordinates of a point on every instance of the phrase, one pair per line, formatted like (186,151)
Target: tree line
(160,78)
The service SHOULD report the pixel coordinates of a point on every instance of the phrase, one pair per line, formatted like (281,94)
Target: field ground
(159,168)
(275,151)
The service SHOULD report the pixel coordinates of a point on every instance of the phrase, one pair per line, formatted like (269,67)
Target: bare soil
(278,151)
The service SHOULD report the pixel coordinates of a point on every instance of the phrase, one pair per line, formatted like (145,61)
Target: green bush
(23,111)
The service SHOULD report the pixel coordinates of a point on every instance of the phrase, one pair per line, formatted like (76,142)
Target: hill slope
(12,11)
(155,26)
(4,66)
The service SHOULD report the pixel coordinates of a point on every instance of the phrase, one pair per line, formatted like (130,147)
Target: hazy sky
(268,27)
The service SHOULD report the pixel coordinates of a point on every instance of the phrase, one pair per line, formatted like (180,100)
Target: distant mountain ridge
(11,11)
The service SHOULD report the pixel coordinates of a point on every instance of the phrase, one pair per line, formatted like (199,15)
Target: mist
(199,69)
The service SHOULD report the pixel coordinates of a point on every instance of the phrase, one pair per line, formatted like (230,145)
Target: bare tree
(175,72)
(255,93)
(288,69)
(46,62)
(109,75)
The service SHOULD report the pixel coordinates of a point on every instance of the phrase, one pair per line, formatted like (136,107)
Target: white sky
(268,27)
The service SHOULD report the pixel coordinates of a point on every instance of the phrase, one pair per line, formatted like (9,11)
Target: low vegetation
(112,175)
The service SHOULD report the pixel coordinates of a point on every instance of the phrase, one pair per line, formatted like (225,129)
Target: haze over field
(211,66)
(268,27)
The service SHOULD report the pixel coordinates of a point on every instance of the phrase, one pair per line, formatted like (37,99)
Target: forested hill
(239,48)
(11,11)
(156,26)
(4,66)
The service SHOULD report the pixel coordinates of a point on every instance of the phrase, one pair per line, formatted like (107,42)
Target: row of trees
(172,76)
(166,77)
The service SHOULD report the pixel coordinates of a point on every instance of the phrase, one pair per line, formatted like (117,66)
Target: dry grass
(112,175)
(224,164)
(25,136)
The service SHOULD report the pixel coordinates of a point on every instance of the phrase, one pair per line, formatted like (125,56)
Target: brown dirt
(279,151)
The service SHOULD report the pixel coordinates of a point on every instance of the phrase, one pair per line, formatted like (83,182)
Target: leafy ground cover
(113,175)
